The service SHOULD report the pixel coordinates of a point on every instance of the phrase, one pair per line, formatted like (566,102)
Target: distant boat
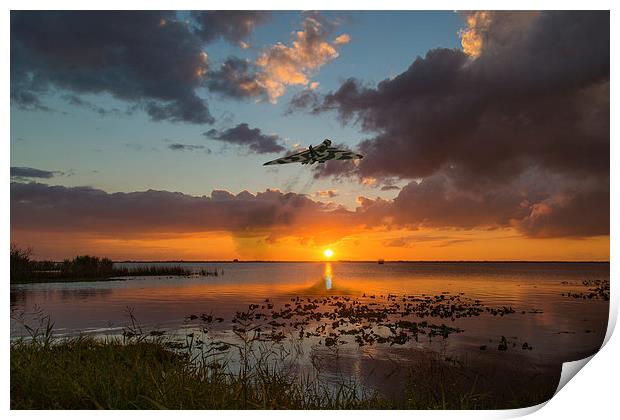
(381,261)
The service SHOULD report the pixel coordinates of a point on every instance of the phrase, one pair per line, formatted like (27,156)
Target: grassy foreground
(86,373)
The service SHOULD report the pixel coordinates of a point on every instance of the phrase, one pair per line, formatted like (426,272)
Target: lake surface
(559,328)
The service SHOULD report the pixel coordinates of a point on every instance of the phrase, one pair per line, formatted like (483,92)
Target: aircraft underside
(319,154)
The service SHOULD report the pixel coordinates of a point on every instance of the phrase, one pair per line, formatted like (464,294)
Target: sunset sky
(141,135)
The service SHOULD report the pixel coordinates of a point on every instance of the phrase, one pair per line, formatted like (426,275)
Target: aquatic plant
(597,289)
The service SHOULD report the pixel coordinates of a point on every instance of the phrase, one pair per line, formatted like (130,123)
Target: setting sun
(328,253)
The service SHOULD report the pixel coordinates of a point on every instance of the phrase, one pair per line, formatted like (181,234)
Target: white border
(592,394)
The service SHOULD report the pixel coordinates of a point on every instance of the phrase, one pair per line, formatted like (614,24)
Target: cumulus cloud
(528,99)
(232,25)
(151,59)
(538,205)
(252,138)
(280,65)
(569,213)
(236,78)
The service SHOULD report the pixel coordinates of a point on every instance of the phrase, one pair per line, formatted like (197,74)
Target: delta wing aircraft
(321,154)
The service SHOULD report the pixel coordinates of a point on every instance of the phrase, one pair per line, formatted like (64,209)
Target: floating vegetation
(248,361)
(503,344)
(597,289)
(367,320)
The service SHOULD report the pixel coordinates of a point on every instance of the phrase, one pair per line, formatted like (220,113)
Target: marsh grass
(149,370)
(24,269)
(142,370)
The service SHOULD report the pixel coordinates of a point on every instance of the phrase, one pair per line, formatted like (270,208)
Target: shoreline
(169,377)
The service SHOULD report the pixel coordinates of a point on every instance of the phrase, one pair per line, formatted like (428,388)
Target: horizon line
(363,261)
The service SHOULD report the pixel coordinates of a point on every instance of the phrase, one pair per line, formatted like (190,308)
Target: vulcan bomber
(321,154)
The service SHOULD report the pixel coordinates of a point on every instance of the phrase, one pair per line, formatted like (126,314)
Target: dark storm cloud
(236,78)
(149,58)
(25,172)
(576,213)
(433,203)
(253,138)
(232,25)
(537,204)
(534,95)
(40,207)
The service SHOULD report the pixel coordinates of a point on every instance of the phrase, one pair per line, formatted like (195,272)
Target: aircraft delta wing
(297,157)
(335,154)
(321,154)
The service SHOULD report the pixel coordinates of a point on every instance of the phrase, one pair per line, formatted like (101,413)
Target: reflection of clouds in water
(22,297)
(84,294)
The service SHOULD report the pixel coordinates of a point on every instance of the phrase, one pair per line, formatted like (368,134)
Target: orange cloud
(471,38)
(489,30)
(282,65)
(342,39)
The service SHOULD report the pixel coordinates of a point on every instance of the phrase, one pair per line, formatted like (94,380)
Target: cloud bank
(434,203)
(44,208)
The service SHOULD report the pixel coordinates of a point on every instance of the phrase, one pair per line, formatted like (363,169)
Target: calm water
(559,328)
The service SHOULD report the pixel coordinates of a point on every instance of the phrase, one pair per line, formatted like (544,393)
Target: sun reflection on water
(327,275)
